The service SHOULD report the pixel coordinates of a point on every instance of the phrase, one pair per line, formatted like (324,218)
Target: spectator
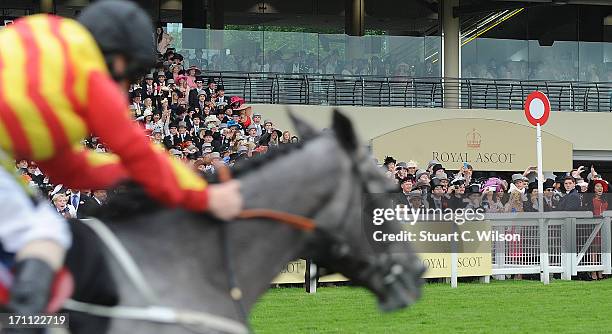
(474,197)
(491,202)
(286,138)
(177,71)
(163,40)
(437,199)
(192,73)
(531,204)
(197,96)
(149,88)
(221,100)
(172,140)
(35,175)
(515,202)
(571,199)
(257,123)
(252,134)
(183,135)
(211,88)
(60,201)
(90,205)
(415,199)
(389,165)
(549,190)
(457,195)
(598,204)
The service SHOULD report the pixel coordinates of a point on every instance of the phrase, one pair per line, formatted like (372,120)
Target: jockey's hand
(225,200)
(31,287)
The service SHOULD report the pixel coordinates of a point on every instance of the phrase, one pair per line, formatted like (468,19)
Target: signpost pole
(544,275)
(537,110)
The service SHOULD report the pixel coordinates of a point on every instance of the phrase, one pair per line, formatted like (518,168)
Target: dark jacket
(570,202)
(87,207)
(444,202)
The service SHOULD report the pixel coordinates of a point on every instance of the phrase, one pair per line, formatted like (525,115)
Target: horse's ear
(343,127)
(304,130)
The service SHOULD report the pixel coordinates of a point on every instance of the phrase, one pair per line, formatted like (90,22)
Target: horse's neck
(303,183)
(181,255)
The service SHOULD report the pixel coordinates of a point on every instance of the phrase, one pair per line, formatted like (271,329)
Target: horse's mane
(129,199)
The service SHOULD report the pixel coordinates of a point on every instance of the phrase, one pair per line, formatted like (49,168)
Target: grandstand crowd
(433,186)
(195,121)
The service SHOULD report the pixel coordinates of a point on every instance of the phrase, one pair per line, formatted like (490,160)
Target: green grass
(498,307)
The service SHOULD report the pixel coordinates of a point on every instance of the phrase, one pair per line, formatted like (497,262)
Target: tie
(75,201)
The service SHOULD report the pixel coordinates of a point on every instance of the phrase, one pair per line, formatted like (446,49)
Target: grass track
(498,307)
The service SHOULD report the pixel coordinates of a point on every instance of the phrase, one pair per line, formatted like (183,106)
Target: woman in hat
(182,85)
(531,204)
(275,138)
(598,204)
(192,72)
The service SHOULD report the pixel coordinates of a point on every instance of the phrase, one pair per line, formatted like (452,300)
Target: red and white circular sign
(537,108)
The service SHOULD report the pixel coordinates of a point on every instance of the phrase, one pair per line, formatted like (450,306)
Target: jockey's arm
(81,168)
(168,180)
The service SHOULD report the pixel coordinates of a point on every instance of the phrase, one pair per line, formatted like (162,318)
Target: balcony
(318,89)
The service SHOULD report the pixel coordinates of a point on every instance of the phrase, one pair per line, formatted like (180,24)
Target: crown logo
(473,139)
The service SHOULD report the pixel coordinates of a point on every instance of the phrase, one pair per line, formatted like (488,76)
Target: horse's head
(343,241)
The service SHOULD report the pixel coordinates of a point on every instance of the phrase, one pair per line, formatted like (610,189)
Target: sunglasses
(549,189)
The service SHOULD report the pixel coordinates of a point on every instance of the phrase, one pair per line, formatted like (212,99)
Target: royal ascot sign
(484,143)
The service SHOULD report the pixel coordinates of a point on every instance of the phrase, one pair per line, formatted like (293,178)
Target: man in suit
(571,200)
(221,100)
(149,88)
(257,124)
(196,92)
(91,204)
(211,88)
(437,198)
(86,203)
(171,140)
(183,135)
(136,106)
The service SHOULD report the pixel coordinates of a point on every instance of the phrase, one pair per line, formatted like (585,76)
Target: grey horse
(194,262)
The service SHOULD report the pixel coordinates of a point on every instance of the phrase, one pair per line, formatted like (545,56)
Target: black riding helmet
(121,27)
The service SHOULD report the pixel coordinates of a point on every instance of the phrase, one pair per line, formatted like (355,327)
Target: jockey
(61,80)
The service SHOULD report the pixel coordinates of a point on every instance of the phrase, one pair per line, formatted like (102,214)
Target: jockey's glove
(31,288)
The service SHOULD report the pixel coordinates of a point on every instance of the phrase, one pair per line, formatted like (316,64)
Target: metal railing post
(544,270)
(573,246)
(362,91)
(566,250)
(606,246)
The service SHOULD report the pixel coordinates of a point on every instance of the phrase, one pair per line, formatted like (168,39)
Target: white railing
(575,242)
(564,243)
